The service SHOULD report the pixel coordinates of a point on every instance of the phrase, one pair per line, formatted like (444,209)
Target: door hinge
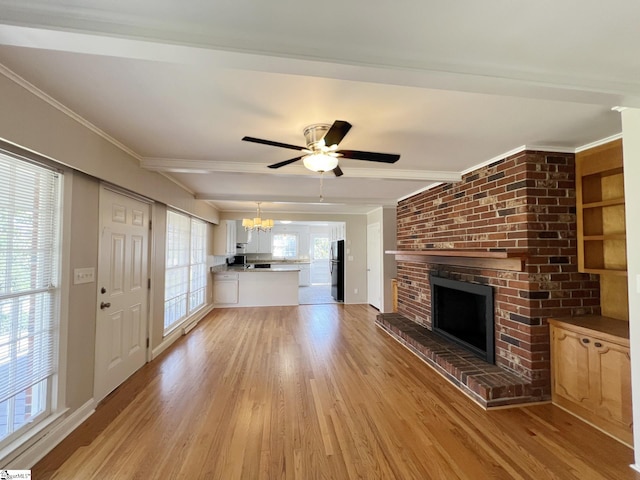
(149,283)
(147,342)
(149,224)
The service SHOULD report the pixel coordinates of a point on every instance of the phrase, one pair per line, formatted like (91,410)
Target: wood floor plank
(317,392)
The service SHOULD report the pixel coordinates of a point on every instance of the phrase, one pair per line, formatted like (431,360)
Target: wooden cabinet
(591,372)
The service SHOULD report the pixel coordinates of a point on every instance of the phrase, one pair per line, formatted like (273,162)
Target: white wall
(631,153)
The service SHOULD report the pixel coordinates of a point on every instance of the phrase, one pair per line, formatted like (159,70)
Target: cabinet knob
(598,344)
(585,340)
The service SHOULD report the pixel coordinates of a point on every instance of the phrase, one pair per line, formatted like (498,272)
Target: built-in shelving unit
(513,260)
(601,210)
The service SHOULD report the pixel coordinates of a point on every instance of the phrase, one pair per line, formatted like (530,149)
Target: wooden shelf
(605,203)
(605,271)
(513,260)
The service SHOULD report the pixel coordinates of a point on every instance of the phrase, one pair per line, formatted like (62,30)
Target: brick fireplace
(523,202)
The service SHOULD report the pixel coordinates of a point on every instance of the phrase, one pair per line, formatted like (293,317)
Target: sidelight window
(186,268)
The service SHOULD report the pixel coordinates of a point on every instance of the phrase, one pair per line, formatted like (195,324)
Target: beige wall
(82,298)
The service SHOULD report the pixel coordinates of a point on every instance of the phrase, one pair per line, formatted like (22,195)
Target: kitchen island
(255,287)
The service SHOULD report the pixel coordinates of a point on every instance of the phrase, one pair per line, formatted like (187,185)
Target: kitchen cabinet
(224,238)
(259,242)
(225,288)
(305,274)
(242,235)
(591,372)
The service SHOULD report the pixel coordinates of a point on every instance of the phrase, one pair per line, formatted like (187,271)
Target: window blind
(186,268)
(29,275)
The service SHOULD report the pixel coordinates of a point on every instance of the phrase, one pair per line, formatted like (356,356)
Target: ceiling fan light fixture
(319,162)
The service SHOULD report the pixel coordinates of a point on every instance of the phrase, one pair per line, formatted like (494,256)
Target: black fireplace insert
(463,313)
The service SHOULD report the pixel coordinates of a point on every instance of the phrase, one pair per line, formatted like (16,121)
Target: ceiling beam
(291,199)
(177,165)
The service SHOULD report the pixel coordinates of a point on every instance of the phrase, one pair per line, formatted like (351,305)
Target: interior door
(374,281)
(121,329)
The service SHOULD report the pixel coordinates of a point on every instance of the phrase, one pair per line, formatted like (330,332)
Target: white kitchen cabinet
(305,274)
(225,288)
(224,238)
(259,242)
(242,235)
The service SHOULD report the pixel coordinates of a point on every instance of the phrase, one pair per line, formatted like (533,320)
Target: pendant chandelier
(257,223)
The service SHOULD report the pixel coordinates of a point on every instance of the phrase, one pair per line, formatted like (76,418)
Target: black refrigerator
(337,270)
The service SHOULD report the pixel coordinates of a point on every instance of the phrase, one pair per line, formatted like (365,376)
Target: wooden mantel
(513,260)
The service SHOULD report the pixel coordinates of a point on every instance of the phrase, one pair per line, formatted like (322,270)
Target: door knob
(104,305)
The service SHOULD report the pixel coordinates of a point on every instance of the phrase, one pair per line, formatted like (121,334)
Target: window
(29,293)
(186,268)
(285,245)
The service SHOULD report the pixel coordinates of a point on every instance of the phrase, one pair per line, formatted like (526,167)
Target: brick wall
(525,201)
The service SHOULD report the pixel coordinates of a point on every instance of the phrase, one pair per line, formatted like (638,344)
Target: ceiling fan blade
(286,162)
(370,156)
(336,133)
(337,171)
(273,144)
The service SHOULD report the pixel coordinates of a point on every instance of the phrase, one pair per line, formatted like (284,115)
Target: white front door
(121,329)
(373,265)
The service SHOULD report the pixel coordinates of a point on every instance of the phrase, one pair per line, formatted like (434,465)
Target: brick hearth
(487,384)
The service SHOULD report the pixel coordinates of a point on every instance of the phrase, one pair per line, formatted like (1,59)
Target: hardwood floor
(317,392)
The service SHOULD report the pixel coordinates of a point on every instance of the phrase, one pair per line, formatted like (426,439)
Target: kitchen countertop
(225,268)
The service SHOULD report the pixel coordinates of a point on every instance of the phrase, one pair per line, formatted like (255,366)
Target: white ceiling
(447,85)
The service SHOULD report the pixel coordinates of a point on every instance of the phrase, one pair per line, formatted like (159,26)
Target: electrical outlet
(355,290)
(84,275)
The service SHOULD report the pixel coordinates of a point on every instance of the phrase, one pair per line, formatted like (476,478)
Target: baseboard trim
(187,325)
(50,439)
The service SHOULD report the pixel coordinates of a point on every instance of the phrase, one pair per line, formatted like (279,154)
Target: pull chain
(321,178)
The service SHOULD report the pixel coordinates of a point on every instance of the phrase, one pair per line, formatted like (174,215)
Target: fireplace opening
(463,313)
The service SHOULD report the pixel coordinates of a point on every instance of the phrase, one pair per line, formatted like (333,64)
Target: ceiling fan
(321,153)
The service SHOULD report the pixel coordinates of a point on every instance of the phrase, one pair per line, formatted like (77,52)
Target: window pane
(321,248)
(186,268)
(285,245)
(29,278)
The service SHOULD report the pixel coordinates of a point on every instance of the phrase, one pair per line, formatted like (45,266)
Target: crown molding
(597,143)
(14,77)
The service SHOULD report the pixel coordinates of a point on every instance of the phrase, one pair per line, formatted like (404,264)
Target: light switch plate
(84,275)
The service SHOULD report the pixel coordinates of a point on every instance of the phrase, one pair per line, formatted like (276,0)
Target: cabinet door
(231,237)
(612,364)
(571,366)
(305,275)
(225,291)
(264,242)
